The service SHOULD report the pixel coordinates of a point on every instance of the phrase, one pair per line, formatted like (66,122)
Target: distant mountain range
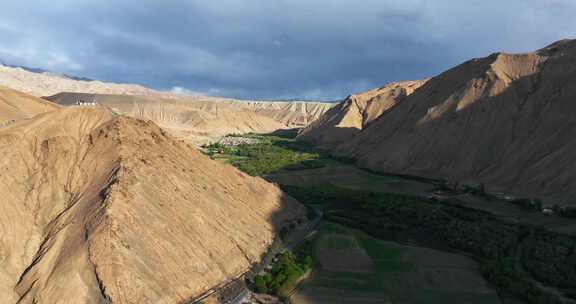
(42,71)
(196,118)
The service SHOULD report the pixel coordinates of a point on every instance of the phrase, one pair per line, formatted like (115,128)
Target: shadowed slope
(506,120)
(350,116)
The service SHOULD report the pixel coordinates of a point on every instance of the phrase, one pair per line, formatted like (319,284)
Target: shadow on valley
(523,261)
(279,268)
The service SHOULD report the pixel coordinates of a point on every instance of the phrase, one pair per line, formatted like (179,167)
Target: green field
(365,257)
(269,155)
(350,177)
(397,274)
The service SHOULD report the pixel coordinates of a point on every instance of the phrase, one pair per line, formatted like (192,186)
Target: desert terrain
(119,211)
(40,83)
(199,119)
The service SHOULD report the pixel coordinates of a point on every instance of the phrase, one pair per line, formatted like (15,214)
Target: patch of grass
(272,154)
(386,258)
(337,242)
(328,227)
(440,296)
(376,249)
(229,158)
(345,280)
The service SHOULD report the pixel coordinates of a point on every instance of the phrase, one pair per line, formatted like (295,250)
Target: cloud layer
(272,48)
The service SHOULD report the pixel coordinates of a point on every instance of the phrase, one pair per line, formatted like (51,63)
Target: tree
(260,284)
(538,204)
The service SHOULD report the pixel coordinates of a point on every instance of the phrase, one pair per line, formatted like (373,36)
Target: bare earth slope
(507,120)
(46,84)
(101,208)
(290,113)
(197,121)
(350,116)
(293,114)
(16,105)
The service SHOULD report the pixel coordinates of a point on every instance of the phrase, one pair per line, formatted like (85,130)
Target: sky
(272,49)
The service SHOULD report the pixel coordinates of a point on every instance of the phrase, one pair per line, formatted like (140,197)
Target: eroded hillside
(353,114)
(293,114)
(505,120)
(46,84)
(102,208)
(196,121)
(202,119)
(16,105)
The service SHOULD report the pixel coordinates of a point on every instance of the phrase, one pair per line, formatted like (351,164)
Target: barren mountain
(293,114)
(15,105)
(506,120)
(353,114)
(46,84)
(42,83)
(103,208)
(196,120)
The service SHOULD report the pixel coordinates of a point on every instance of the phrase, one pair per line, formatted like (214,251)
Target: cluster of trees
(530,204)
(284,275)
(214,148)
(269,155)
(568,211)
(512,256)
(266,158)
(502,272)
(551,257)
(537,205)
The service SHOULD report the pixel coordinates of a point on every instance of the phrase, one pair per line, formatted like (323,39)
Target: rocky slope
(102,208)
(16,105)
(293,114)
(350,116)
(506,120)
(46,84)
(195,120)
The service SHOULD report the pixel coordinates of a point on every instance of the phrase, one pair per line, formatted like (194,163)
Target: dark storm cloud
(271,48)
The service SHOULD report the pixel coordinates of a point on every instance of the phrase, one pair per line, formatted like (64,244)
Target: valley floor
(394,261)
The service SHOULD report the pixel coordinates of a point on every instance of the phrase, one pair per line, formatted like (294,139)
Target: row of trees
(512,255)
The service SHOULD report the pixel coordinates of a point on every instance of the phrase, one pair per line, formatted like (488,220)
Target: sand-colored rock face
(293,114)
(290,114)
(507,120)
(46,84)
(101,208)
(195,120)
(16,105)
(350,116)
